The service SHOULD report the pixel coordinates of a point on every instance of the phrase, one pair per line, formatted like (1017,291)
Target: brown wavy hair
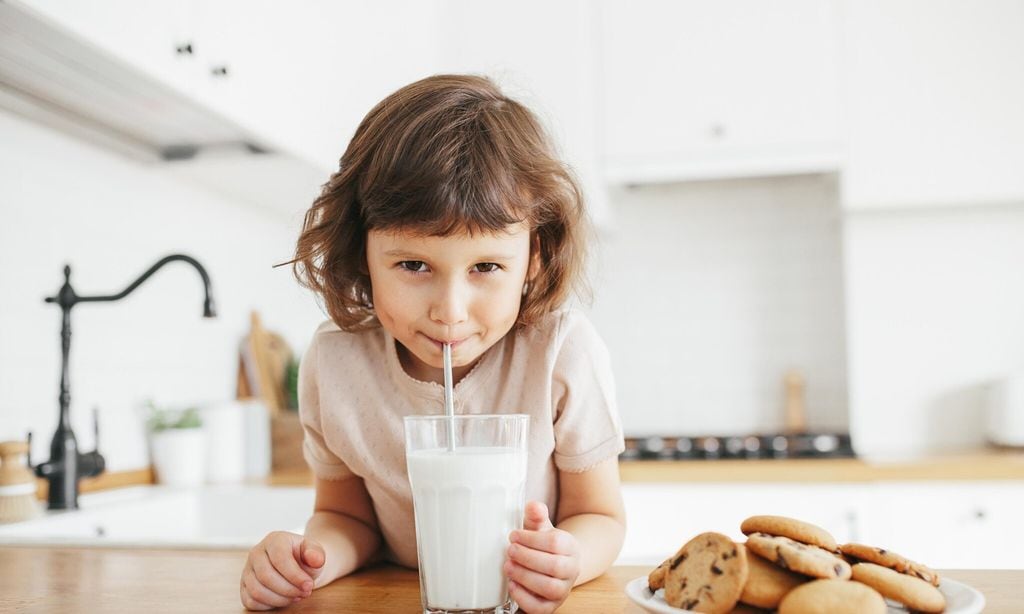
(444,155)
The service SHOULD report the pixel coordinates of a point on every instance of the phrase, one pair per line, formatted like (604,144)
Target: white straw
(449,396)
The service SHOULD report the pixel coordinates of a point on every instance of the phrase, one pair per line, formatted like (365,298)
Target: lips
(440,344)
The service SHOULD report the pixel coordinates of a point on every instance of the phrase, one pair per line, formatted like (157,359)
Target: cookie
(912,592)
(833,597)
(887,558)
(767,584)
(790,527)
(707,574)
(656,579)
(801,558)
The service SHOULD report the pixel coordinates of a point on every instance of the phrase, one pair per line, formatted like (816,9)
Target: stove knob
(710,447)
(734,447)
(752,446)
(652,446)
(780,445)
(684,447)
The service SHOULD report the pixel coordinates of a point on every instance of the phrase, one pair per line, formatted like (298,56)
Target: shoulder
(563,332)
(330,339)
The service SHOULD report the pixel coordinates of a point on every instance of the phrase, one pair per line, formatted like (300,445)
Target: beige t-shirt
(353,393)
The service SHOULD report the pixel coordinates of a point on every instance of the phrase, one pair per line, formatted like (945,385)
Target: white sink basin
(223,516)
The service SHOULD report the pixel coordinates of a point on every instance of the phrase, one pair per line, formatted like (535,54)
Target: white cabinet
(700,89)
(945,525)
(936,94)
(950,525)
(155,37)
(542,54)
(662,517)
(299,77)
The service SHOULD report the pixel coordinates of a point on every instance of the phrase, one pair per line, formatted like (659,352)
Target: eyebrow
(398,253)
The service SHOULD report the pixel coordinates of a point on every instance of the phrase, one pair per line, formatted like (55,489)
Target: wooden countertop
(980,465)
(986,464)
(45,580)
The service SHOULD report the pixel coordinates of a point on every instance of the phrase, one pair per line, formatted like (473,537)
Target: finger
(535,517)
(251,604)
(248,602)
(528,601)
(554,541)
(283,558)
(555,565)
(269,577)
(312,554)
(540,585)
(261,593)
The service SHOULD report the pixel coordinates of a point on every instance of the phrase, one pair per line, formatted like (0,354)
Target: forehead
(408,241)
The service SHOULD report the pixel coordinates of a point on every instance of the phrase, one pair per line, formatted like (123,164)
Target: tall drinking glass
(466,502)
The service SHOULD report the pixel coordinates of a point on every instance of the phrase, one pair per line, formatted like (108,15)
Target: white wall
(935,312)
(110,219)
(707,292)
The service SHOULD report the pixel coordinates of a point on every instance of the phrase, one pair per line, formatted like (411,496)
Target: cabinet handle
(219,71)
(185,48)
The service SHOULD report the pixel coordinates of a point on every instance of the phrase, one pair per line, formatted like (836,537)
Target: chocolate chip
(679,559)
(839,569)
(780,560)
(715,570)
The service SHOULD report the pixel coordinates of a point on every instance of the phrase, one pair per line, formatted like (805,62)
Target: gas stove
(739,447)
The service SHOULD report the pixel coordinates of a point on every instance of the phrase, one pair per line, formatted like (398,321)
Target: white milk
(466,503)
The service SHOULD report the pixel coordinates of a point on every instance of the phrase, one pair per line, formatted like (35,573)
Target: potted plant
(177,444)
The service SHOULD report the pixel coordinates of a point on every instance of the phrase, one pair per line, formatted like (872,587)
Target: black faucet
(67,465)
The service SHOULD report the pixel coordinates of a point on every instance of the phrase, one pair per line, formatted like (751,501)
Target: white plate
(960,598)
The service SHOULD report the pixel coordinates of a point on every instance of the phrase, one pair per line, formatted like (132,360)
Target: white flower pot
(179,456)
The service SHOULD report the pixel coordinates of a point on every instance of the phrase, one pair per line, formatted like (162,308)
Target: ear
(534,268)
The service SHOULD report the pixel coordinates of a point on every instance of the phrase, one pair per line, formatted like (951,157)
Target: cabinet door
(951,525)
(548,63)
(936,91)
(153,36)
(662,517)
(702,88)
(305,74)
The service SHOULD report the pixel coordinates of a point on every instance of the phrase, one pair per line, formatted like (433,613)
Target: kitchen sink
(214,516)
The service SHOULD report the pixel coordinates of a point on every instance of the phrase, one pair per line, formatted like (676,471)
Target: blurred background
(828,193)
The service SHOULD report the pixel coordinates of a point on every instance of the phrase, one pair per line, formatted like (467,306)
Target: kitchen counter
(980,465)
(101,580)
(986,464)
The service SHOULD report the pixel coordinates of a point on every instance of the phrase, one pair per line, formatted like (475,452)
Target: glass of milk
(467,499)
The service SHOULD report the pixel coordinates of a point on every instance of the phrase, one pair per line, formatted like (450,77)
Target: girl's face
(461,289)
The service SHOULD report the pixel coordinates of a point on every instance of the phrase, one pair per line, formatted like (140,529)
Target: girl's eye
(487,267)
(413,266)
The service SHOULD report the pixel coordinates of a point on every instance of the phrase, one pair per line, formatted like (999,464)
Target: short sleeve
(324,463)
(586,425)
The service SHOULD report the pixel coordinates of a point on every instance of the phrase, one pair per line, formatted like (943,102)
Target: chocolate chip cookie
(912,592)
(792,528)
(707,574)
(888,558)
(801,558)
(833,597)
(767,584)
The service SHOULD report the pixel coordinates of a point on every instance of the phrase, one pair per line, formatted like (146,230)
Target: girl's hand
(543,564)
(280,570)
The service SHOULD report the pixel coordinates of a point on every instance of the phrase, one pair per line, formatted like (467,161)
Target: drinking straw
(449,396)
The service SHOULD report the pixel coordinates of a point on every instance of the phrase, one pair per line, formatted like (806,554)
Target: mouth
(440,344)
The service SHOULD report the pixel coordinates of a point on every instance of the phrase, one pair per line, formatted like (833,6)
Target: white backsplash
(111,219)
(707,293)
(935,314)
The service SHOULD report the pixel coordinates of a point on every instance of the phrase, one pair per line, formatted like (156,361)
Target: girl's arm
(590,507)
(345,524)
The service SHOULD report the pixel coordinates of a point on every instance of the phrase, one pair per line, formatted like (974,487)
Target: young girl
(448,221)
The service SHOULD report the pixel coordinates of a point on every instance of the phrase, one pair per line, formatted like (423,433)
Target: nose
(451,303)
